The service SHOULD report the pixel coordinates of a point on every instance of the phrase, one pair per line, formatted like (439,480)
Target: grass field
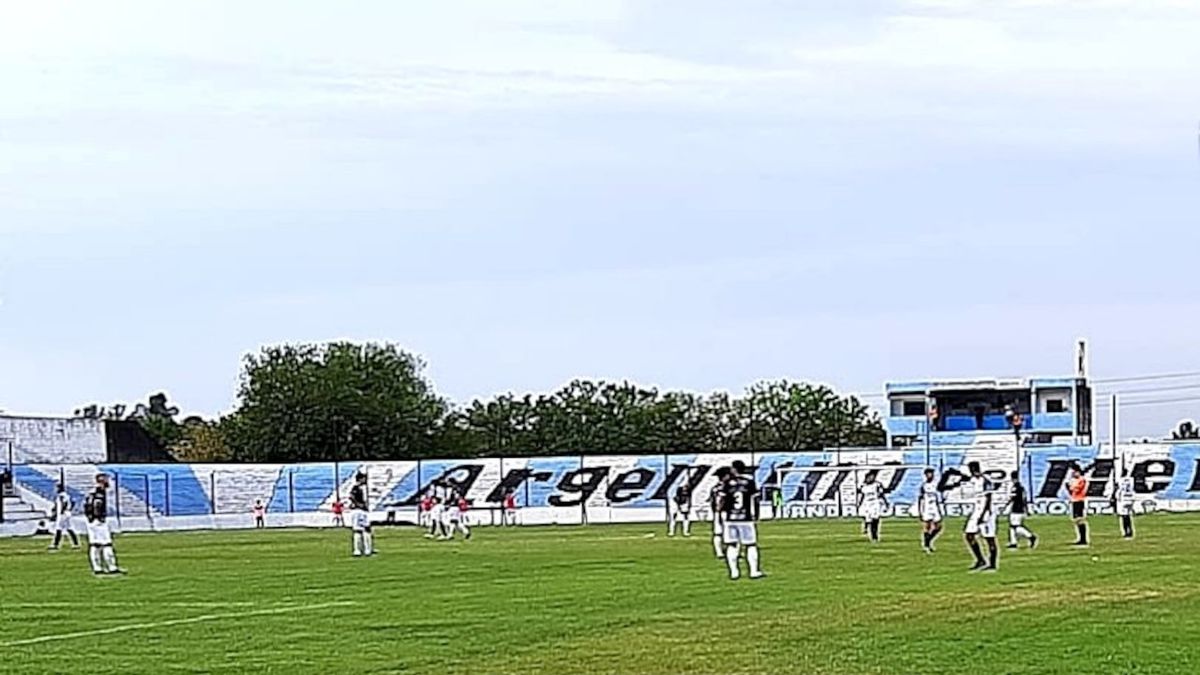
(607,599)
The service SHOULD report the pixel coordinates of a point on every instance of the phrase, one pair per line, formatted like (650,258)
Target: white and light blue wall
(598,489)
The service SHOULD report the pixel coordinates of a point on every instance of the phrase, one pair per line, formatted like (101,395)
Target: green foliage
(587,417)
(320,402)
(338,400)
(203,441)
(158,419)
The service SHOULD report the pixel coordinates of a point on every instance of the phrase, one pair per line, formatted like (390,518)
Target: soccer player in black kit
(739,504)
(100,548)
(1018,508)
(683,510)
(360,518)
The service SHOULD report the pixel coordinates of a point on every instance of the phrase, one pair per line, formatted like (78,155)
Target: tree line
(341,400)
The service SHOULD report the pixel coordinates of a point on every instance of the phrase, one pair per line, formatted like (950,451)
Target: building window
(914,408)
(1056,405)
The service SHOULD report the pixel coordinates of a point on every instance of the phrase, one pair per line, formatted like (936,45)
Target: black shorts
(1078,510)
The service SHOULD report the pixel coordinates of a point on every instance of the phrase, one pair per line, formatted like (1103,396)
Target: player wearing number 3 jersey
(739,506)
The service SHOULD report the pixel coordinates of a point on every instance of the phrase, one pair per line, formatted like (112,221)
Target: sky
(692,195)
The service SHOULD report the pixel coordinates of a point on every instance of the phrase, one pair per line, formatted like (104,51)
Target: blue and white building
(1047,410)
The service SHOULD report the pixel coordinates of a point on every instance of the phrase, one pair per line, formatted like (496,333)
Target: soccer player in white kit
(718,517)
(982,521)
(100,547)
(62,518)
(363,539)
(456,514)
(871,502)
(929,507)
(1123,499)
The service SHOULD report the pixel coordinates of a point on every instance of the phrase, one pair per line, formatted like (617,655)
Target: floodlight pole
(928,430)
(1015,419)
(1112,431)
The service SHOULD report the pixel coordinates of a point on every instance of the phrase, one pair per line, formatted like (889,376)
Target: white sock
(752,559)
(95,558)
(1012,536)
(687,527)
(358,543)
(717,545)
(671,527)
(110,558)
(465,530)
(1022,531)
(369,543)
(731,558)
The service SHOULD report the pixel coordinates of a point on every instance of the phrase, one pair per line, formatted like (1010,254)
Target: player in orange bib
(1077,489)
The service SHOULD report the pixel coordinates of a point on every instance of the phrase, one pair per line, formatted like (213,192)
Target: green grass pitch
(607,599)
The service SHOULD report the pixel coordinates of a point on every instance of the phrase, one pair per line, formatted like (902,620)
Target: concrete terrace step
(15,510)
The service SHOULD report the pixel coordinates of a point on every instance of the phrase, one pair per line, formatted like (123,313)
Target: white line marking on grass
(125,628)
(120,605)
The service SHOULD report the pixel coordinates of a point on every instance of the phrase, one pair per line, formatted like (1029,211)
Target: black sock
(1082,528)
(927,537)
(993,552)
(57,538)
(74,538)
(874,530)
(978,553)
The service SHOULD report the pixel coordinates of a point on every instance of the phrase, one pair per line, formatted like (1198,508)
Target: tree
(203,441)
(158,419)
(588,417)
(791,416)
(1186,431)
(335,401)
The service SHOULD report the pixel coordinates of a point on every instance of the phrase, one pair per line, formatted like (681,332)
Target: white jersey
(978,491)
(983,508)
(930,501)
(62,506)
(1125,491)
(1125,496)
(871,496)
(442,494)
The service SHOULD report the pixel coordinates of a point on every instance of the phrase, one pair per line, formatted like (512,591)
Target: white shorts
(983,525)
(98,534)
(63,523)
(360,520)
(741,533)
(872,511)
(1124,508)
(1016,519)
(931,514)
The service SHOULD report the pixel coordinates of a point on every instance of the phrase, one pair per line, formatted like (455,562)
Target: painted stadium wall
(601,489)
(34,440)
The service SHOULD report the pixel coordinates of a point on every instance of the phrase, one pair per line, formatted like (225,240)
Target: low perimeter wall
(594,489)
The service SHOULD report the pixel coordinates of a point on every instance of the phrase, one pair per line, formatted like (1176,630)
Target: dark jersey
(1018,502)
(95,507)
(683,496)
(358,498)
(739,500)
